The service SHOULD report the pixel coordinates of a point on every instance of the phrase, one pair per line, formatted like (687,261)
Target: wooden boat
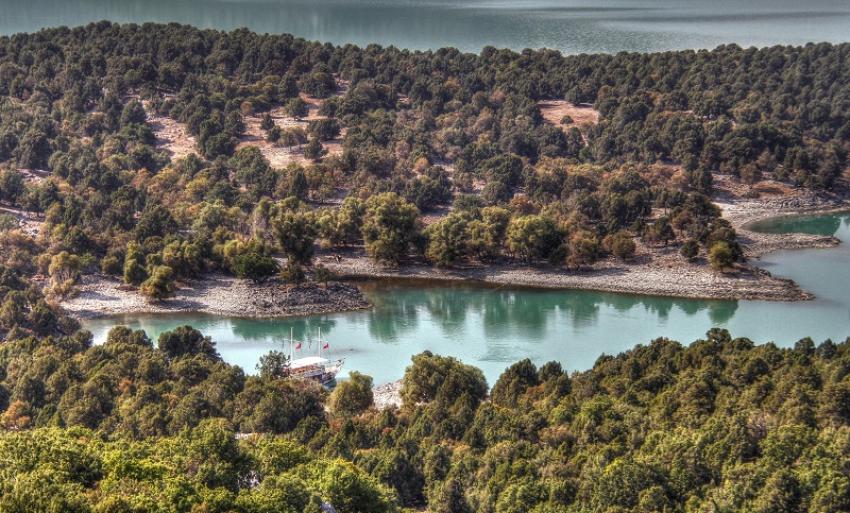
(317,367)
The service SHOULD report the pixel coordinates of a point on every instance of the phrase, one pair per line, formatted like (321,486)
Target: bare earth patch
(277,155)
(172,136)
(387,395)
(435,215)
(554,111)
(727,186)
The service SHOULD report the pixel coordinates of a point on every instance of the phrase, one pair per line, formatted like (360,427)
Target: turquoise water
(491,328)
(572,26)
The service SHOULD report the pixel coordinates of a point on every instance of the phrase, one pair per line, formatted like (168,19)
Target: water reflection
(721,311)
(488,326)
(403,312)
(303,328)
(511,313)
(451,310)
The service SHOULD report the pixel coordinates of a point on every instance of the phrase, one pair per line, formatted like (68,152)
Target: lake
(494,327)
(572,26)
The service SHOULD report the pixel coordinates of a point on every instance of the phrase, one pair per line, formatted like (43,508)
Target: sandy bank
(216,294)
(744,213)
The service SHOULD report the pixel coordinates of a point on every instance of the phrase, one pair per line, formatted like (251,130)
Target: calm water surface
(492,328)
(572,26)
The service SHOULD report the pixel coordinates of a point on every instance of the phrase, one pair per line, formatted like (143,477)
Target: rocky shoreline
(101,296)
(387,395)
(666,274)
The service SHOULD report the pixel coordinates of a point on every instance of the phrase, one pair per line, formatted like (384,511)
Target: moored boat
(316,367)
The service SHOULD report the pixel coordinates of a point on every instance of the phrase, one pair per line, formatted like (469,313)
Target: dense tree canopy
(202,469)
(721,424)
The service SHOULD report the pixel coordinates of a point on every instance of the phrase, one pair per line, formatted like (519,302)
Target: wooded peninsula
(157,154)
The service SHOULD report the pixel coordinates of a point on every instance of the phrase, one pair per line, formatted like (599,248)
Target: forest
(441,157)
(457,138)
(132,425)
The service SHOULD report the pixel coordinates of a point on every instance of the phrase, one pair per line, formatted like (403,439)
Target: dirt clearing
(172,136)
(554,111)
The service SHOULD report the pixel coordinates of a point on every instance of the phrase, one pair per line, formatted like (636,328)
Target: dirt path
(30,222)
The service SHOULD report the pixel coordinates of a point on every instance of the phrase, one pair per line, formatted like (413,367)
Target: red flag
(326,346)
(298,345)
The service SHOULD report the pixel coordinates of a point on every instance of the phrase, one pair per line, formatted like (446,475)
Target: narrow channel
(492,328)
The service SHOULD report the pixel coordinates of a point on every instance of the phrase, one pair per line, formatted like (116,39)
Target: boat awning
(308,361)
